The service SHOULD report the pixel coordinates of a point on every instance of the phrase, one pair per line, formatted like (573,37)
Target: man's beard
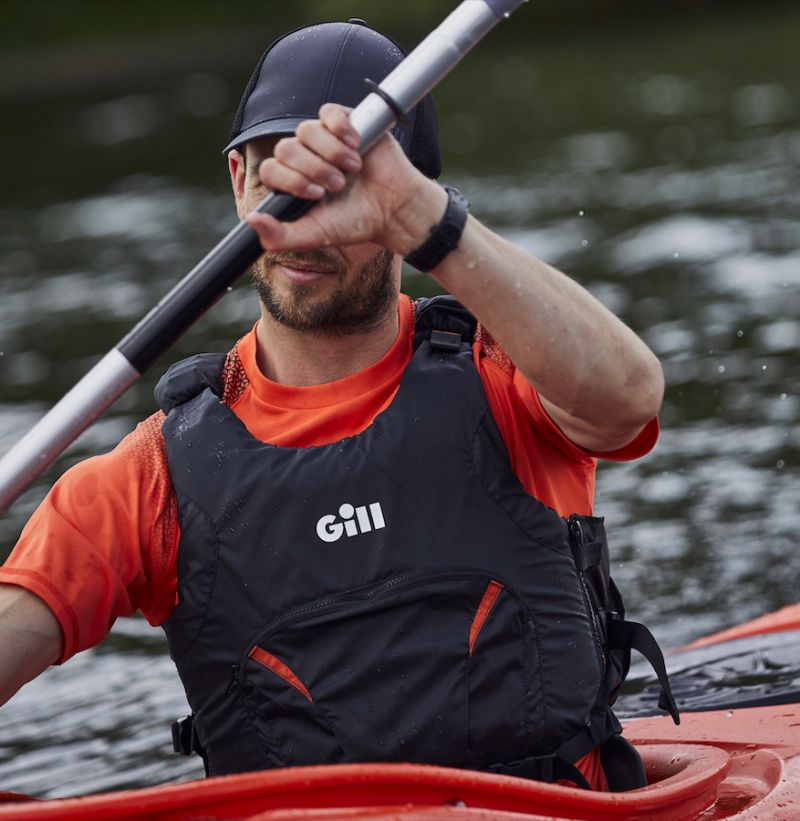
(356,307)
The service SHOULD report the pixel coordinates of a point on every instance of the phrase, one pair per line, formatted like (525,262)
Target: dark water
(656,161)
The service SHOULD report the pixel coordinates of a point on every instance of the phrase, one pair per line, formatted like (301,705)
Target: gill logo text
(355,520)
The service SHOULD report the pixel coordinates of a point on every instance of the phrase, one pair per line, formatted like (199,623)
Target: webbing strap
(580,744)
(547,768)
(587,555)
(624,635)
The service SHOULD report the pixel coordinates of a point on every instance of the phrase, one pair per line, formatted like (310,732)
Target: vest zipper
(371,592)
(577,534)
(596,629)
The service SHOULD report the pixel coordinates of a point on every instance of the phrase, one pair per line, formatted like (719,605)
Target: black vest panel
(394,596)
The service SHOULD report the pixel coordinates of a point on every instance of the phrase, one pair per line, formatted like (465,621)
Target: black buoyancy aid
(393,596)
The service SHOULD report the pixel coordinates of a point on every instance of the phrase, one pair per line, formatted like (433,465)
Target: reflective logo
(354,520)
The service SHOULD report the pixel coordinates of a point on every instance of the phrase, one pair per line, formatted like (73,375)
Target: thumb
(274,235)
(271,232)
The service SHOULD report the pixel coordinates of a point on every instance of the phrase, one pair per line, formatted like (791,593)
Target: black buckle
(546,768)
(186,741)
(183,735)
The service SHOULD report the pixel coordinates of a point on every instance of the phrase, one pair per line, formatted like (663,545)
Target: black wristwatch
(444,237)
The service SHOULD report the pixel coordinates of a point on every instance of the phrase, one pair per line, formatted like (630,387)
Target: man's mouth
(306,271)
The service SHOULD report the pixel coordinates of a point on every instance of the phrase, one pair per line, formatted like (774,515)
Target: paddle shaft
(210,279)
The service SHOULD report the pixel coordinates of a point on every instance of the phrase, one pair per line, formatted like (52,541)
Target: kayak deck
(743,671)
(738,764)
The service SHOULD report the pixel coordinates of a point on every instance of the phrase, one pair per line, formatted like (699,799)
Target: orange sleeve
(103,543)
(551,467)
(640,446)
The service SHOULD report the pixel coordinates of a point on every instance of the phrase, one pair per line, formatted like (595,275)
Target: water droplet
(721,369)
(585,243)
(739,333)
(675,256)
(763,367)
(580,213)
(781,463)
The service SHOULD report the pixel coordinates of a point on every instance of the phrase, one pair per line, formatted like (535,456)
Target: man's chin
(299,307)
(329,306)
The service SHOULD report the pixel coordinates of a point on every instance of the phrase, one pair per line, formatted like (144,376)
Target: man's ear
(238,172)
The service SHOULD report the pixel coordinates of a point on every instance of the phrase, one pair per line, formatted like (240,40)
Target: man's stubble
(354,307)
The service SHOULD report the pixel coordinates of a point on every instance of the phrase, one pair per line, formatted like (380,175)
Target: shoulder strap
(188,378)
(444,314)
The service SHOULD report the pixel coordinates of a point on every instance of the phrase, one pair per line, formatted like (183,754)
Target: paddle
(402,89)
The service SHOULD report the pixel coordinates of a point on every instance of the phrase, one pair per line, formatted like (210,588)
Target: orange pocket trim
(484,608)
(280,669)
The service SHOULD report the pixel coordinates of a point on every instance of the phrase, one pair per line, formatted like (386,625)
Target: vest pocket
(429,667)
(289,724)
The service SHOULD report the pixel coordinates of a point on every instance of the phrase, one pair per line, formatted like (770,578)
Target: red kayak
(724,761)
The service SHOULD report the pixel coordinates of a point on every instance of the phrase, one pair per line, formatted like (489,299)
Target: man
(350,527)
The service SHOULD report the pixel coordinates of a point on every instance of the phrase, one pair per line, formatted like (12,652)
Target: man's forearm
(597,379)
(30,638)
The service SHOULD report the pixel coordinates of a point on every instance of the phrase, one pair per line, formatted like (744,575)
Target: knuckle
(335,118)
(283,150)
(266,171)
(328,110)
(306,131)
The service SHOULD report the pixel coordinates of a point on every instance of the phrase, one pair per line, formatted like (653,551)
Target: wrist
(443,236)
(423,206)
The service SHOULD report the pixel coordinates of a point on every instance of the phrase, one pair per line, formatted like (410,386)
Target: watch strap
(445,236)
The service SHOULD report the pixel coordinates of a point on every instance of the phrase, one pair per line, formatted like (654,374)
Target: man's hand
(380,198)
(30,638)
